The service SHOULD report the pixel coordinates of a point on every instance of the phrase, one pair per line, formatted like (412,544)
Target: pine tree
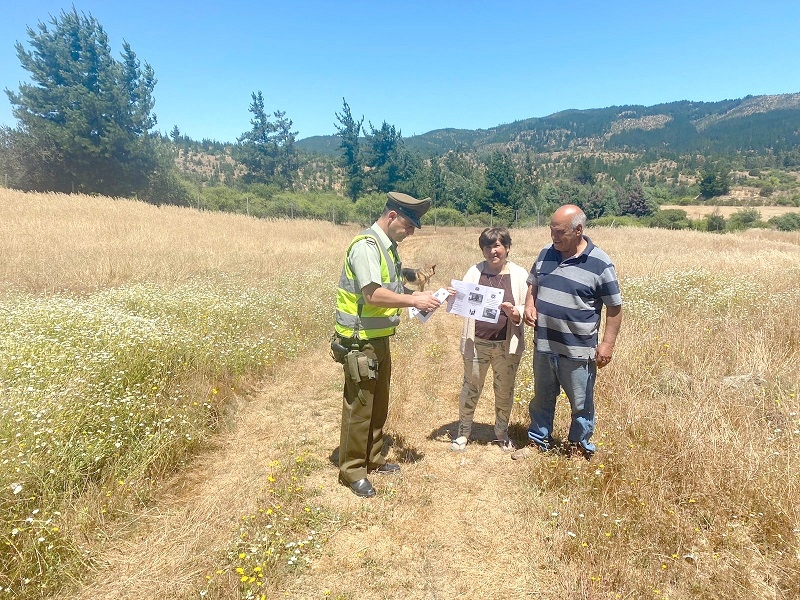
(385,157)
(714,181)
(349,130)
(501,182)
(635,202)
(268,149)
(84,118)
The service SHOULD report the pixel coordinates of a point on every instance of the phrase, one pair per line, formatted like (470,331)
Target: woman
(499,345)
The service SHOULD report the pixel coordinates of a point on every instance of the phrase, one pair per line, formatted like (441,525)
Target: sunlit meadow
(107,388)
(694,490)
(129,331)
(693,493)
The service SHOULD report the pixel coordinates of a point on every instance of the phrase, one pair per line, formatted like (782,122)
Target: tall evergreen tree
(501,182)
(715,181)
(528,180)
(436,182)
(287,152)
(268,149)
(465,184)
(84,118)
(385,157)
(584,171)
(258,151)
(635,202)
(349,130)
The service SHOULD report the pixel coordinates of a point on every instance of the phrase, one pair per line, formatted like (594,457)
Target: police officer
(369,299)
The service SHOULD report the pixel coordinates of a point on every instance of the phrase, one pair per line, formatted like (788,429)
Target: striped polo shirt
(570,295)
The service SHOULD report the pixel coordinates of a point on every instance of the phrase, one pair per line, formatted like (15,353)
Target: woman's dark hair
(492,235)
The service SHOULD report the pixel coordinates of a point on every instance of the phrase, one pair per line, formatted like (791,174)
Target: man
(570,282)
(370,296)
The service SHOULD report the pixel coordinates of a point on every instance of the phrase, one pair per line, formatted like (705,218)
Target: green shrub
(368,208)
(787,222)
(224,199)
(672,218)
(793,200)
(323,206)
(715,222)
(744,219)
(618,221)
(446,217)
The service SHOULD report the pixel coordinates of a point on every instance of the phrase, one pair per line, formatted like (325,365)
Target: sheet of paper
(423,315)
(479,302)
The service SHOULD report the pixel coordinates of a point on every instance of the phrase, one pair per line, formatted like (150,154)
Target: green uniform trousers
(364,410)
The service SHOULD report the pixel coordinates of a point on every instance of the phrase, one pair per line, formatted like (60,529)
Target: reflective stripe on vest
(356,318)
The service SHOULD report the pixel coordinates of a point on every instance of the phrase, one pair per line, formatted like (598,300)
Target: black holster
(338,352)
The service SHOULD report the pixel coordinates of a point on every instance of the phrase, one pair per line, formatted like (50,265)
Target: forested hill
(750,123)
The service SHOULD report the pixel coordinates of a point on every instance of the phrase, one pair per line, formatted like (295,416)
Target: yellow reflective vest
(354,317)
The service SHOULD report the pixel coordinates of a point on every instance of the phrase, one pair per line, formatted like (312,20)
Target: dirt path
(452,525)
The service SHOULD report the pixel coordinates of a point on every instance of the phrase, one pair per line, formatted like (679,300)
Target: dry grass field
(693,492)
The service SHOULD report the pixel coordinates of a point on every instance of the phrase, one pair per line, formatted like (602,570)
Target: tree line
(86,124)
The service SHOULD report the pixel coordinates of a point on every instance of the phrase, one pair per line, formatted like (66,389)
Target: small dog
(419,277)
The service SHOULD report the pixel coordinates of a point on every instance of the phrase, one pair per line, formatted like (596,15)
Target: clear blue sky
(424,65)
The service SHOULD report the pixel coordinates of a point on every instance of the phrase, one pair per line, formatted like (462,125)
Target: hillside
(751,123)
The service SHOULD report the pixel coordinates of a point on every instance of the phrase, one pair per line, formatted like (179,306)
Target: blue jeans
(552,373)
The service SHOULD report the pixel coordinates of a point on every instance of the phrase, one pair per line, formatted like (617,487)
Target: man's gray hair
(578,219)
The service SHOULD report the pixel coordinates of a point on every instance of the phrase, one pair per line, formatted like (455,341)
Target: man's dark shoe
(361,488)
(578,451)
(386,469)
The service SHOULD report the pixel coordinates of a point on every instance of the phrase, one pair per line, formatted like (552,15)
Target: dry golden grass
(693,492)
(76,243)
(698,212)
